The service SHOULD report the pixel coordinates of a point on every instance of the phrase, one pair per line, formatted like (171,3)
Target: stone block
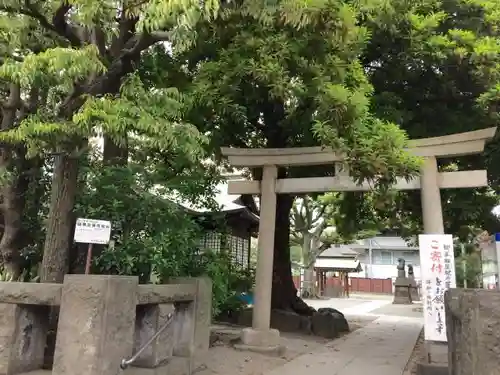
(149,320)
(415,296)
(437,352)
(473,331)
(202,310)
(166,293)
(339,319)
(329,323)
(184,330)
(96,324)
(414,293)
(431,369)
(23,334)
(30,293)
(402,292)
(288,321)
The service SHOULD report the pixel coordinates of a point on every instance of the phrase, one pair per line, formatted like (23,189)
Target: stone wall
(102,320)
(473,330)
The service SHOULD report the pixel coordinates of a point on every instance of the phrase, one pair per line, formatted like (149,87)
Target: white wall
(385,271)
(380,271)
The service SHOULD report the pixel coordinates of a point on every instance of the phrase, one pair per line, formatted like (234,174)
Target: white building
(379,256)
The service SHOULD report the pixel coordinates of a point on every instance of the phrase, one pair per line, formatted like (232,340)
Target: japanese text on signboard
(92,231)
(438,275)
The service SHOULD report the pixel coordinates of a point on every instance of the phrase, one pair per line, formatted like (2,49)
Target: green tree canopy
(434,67)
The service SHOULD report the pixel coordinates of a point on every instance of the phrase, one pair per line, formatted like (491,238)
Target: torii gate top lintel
(460,144)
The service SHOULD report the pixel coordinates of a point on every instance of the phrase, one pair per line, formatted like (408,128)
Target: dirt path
(224,360)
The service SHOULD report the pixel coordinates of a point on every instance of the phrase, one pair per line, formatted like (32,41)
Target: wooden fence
(360,284)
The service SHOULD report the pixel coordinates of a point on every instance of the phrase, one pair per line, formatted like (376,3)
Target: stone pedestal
(265,341)
(473,331)
(201,309)
(96,324)
(402,291)
(415,295)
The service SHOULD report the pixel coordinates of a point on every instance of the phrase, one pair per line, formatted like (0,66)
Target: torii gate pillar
(432,212)
(260,337)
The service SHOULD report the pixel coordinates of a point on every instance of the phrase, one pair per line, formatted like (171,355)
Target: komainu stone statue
(415,294)
(402,285)
(401,268)
(410,271)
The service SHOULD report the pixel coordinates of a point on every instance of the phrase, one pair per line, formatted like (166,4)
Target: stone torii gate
(260,336)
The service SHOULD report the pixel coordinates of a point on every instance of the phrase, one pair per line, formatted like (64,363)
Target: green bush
(228,280)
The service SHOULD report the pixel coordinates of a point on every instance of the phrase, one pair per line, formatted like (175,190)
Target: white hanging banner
(437,264)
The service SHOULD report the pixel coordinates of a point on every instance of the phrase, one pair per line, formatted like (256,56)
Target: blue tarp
(247,298)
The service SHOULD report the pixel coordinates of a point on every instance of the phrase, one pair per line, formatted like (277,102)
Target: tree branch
(297,237)
(99,39)
(61,26)
(308,214)
(32,11)
(9,109)
(144,40)
(320,228)
(319,215)
(297,219)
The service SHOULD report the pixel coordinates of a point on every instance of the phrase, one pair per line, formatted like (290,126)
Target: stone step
(438,353)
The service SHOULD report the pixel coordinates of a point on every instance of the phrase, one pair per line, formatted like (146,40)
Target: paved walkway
(352,306)
(383,347)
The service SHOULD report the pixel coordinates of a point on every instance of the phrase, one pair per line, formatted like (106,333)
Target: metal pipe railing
(127,362)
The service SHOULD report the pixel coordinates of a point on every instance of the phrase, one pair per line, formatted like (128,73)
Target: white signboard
(437,264)
(92,231)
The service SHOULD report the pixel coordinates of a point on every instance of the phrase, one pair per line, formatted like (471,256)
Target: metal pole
(370,258)
(464,264)
(127,362)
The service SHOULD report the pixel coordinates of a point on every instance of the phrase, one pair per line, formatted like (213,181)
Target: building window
(382,257)
(238,248)
(212,241)
(410,257)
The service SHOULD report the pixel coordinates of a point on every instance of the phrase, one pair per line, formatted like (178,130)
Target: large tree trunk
(16,234)
(16,183)
(10,244)
(114,154)
(307,290)
(59,224)
(284,293)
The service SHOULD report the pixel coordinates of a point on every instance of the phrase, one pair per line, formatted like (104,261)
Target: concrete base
(431,369)
(265,342)
(415,296)
(402,293)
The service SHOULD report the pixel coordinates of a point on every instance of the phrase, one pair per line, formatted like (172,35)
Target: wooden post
(88,262)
